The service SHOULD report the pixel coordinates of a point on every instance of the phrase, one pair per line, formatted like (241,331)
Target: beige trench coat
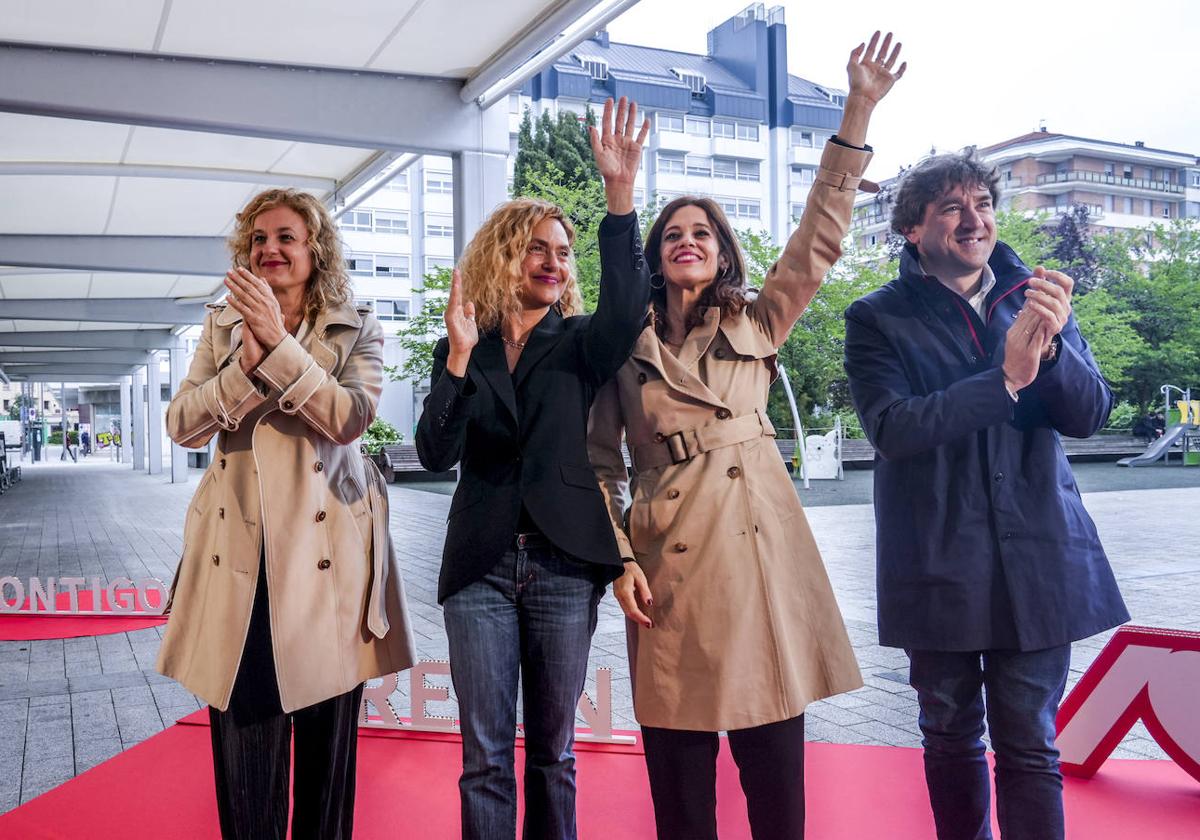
(287,467)
(746,629)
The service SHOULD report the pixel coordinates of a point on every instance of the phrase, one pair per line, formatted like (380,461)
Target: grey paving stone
(90,753)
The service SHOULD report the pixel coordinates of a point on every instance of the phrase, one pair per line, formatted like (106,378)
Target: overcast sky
(1118,71)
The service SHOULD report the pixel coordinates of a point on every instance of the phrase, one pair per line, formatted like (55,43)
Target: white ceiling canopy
(131,132)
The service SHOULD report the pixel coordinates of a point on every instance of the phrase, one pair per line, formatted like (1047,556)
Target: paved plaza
(67,705)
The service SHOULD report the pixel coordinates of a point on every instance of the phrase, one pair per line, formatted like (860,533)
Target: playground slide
(1157,449)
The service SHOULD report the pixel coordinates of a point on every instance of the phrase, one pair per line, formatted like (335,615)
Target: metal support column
(139,420)
(126,413)
(179,461)
(154,424)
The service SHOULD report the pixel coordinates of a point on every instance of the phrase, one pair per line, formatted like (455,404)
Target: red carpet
(20,627)
(407,790)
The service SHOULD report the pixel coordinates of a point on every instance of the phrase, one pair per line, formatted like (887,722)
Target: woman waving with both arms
(732,621)
(529,548)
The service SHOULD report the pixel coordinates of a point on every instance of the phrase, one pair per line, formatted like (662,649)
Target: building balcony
(870,220)
(1074,177)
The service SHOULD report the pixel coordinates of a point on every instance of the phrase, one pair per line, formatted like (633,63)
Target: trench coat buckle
(677,448)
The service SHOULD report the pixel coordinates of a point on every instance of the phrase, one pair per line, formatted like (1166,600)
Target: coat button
(220,513)
(724,414)
(323,563)
(672,493)
(288,405)
(216,559)
(317,467)
(659,437)
(641,377)
(222,463)
(681,547)
(999,476)
(719,352)
(321,516)
(733,472)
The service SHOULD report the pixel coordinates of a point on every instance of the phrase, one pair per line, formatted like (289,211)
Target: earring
(662,281)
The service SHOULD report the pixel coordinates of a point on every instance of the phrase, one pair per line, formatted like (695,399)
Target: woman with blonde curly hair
(287,597)
(529,549)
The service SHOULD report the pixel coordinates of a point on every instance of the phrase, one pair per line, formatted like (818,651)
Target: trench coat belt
(377,501)
(677,447)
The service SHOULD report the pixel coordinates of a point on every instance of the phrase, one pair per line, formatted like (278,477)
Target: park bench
(406,466)
(10,474)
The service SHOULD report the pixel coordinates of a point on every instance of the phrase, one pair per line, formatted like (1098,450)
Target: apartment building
(1124,186)
(731,123)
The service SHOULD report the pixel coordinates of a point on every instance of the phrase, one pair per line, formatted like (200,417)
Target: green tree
(424,328)
(561,143)
(1029,236)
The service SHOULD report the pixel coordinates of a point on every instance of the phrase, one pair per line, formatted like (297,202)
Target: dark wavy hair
(933,177)
(728,290)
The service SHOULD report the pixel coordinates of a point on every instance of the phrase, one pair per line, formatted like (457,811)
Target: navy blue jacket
(982,539)
(520,439)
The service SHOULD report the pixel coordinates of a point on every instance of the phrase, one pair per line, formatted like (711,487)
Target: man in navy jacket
(965,370)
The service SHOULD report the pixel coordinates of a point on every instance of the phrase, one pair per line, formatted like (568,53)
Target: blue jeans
(534,615)
(1023,690)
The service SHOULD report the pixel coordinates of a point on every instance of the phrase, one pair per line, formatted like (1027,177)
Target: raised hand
(461,329)
(870,71)
(252,297)
(252,350)
(618,152)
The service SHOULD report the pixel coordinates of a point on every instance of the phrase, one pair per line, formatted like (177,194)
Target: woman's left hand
(870,72)
(253,299)
(618,152)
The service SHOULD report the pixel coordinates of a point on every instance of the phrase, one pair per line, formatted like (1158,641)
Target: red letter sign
(1145,673)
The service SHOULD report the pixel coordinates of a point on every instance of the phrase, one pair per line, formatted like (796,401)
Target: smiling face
(690,253)
(546,267)
(279,248)
(957,232)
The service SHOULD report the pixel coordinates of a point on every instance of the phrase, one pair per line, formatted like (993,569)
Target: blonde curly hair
(491,264)
(329,284)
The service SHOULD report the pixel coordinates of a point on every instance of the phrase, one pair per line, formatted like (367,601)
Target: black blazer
(521,438)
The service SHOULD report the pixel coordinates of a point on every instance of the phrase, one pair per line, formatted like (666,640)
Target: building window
(699,165)
(1129,205)
(439,182)
(1196,179)
(1110,169)
(639,197)
(747,170)
(747,131)
(873,239)
(724,128)
(514,103)
(1006,176)
(802,137)
(797,210)
(432,264)
(356,220)
(45,405)
(597,67)
(1166,211)
(670,164)
(735,168)
(391,309)
(802,176)
(398,182)
(437,225)
(695,81)
(391,265)
(360,265)
(669,122)
(387,221)
(1128,171)
(698,126)
(740,208)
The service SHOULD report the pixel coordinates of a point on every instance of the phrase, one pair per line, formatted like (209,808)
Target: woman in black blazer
(529,546)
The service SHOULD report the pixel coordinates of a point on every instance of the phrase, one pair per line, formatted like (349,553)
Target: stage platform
(407,791)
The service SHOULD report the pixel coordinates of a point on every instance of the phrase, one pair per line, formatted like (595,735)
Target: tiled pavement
(67,705)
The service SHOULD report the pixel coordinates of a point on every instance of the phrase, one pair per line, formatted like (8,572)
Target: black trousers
(683,779)
(252,751)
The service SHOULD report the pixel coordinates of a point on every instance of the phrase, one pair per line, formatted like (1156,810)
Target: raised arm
(624,278)
(816,244)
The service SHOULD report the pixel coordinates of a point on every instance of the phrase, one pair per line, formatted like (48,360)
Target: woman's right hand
(629,588)
(618,153)
(461,329)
